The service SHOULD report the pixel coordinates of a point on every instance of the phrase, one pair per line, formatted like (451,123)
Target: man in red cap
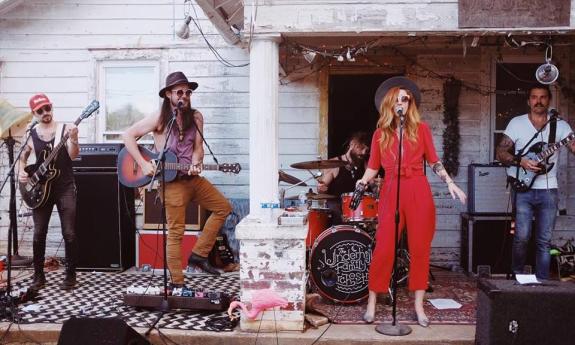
(185,141)
(62,192)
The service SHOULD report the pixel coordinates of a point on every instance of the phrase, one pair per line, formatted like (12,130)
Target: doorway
(351,108)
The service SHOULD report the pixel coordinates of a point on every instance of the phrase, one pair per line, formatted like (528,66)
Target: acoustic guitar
(130,172)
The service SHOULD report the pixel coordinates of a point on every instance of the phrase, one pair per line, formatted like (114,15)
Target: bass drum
(339,264)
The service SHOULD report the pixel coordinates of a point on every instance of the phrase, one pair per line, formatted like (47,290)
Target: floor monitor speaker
(96,331)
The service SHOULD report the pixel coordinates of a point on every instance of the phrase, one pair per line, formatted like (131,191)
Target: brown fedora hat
(401,82)
(176,78)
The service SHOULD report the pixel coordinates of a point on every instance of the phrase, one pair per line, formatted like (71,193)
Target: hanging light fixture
(309,56)
(548,72)
(184,30)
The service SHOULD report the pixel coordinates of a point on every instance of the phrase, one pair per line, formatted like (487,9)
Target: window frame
(101,132)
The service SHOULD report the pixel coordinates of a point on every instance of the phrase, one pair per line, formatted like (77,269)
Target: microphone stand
(396,329)
(517,158)
(12,230)
(161,160)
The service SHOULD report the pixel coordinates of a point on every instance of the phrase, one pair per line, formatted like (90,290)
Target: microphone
(31,125)
(399,111)
(554,114)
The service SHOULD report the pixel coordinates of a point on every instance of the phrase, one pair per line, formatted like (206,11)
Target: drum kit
(339,255)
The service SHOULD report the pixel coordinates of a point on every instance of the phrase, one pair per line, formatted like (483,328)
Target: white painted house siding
(55,46)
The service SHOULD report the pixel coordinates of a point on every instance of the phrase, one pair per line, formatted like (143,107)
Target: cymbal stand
(282,191)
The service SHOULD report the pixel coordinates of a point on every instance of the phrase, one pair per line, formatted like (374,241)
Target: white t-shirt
(521,130)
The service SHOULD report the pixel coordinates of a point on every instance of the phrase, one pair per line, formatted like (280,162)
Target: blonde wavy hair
(388,122)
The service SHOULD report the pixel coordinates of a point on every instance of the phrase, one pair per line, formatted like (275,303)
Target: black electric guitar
(36,190)
(130,173)
(540,153)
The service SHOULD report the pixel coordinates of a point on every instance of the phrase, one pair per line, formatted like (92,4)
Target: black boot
(69,281)
(201,262)
(38,282)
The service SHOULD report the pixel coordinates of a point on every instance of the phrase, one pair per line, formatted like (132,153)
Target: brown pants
(178,194)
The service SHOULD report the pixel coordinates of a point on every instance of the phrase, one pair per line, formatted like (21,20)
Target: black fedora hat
(401,82)
(176,78)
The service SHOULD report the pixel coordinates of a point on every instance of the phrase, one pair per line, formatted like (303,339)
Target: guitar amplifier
(97,156)
(487,189)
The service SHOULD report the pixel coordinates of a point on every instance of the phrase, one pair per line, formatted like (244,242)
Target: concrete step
(332,335)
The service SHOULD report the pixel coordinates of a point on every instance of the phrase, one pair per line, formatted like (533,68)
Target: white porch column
(264,83)
(272,256)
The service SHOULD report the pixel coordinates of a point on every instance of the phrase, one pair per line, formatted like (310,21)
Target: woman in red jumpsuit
(416,206)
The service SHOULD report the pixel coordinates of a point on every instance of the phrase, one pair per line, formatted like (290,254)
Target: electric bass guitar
(130,173)
(540,153)
(36,190)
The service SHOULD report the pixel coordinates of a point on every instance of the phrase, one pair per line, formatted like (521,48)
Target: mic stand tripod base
(393,330)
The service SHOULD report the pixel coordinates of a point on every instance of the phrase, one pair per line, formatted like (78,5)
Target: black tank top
(345,180)
(63,162)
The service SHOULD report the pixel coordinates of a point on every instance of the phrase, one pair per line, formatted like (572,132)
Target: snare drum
(366,211)
(340,261)
(318,219)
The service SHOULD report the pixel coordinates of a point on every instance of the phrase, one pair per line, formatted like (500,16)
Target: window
(512,81)
(128,92)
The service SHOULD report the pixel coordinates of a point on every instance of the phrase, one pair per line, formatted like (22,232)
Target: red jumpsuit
(416,208)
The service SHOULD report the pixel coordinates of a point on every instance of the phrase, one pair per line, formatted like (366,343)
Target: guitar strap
(58,138)
(552,131)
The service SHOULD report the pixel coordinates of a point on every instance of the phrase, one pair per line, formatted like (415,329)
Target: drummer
(340,180)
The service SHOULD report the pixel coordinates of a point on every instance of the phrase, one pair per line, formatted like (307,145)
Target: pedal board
(213,301)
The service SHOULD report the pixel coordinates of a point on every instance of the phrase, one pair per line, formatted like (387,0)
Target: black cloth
(63,195)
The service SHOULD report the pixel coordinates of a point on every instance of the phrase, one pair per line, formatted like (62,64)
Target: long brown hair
(166,114)
(388,122)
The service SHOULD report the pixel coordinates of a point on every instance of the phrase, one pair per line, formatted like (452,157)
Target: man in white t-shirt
(541,200)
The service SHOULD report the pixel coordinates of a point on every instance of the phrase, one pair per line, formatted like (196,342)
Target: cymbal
(313,196)
(284,177)
(320,164)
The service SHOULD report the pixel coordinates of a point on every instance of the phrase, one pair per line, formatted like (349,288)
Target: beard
(358,159)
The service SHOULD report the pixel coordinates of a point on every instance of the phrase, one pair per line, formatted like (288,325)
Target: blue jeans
(541,204)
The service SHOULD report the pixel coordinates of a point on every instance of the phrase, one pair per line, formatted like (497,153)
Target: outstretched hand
(456,192)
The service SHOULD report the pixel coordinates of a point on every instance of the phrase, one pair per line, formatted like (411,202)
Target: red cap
(38,101)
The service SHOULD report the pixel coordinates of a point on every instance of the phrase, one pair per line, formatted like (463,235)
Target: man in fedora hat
(43,138)
(185,141)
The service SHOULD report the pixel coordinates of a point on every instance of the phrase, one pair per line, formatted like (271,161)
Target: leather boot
(38,282)
(39,277)
(201,262)
(69,281)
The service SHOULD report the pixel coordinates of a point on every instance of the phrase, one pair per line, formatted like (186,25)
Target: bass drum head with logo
(339,264)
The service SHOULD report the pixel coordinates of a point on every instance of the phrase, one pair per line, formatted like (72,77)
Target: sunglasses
(47,108)
(180,93)
(403,99)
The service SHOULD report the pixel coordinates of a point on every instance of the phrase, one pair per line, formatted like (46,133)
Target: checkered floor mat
(99,294)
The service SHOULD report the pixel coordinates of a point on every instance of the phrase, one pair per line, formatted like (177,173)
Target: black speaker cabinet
(105,222)
(509,313)
(96,331)
(485,240)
